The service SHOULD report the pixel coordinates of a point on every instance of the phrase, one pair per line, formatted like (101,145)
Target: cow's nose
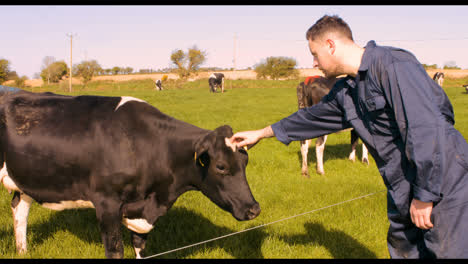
(254,211)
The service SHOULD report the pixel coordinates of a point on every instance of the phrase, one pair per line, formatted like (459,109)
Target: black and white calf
(158,85)
(118,155)
(439,78)
(216,80)
(310,92)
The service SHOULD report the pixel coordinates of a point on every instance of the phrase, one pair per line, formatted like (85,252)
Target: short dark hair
(329,24)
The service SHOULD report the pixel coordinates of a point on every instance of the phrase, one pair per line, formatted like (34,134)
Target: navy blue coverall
(406,121)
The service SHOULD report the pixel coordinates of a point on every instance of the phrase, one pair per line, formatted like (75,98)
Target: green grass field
(355,229)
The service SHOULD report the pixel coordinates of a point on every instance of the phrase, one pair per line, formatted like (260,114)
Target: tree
(194,58)
(20,81)
(54,72)
(87,70)
(431,66)
(12,75)
(128,70)
(277,67)
(4,70)
(451,65)
(116,70)
(45,71)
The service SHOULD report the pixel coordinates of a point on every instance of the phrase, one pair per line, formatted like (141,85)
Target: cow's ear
(224,131)
(201,148)
(204,143)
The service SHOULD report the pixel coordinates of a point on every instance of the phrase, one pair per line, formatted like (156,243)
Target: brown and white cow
(310,92)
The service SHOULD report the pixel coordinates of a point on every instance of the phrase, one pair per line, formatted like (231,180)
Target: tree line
(183,63)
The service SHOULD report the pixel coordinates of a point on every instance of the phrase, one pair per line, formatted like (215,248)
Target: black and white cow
(310,92)
(158,85)
(118,155)
(216,80)
(439,78)
(466,87)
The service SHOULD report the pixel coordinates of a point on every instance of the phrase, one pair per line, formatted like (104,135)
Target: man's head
(325,36)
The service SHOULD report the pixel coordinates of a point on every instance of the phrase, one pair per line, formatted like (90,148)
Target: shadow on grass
(178,228)
(331,152)
(169,233)
(338,243)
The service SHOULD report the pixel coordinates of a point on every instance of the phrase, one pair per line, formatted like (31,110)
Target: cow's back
(81,144)
(312,90)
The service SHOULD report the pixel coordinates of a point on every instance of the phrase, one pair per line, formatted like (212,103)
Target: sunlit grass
(355,229)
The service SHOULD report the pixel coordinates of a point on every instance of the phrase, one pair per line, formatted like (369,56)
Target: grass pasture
(355,229)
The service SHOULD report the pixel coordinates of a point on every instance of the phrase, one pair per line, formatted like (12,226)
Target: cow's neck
(184,164)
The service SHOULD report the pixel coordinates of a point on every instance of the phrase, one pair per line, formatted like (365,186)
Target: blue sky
(144,36)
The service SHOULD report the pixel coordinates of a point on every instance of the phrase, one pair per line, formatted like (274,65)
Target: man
(406,121)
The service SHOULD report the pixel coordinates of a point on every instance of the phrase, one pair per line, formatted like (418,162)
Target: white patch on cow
(319,148)
(140,226)
(68,205)
(137,252)
(126,99)
(20,221)
(7,181)
(230,145)
(213,76)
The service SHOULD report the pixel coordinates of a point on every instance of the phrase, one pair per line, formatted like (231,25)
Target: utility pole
(71,62)
(234,53)
(234,58)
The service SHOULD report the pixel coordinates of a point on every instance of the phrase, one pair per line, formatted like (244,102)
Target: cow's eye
(242,151)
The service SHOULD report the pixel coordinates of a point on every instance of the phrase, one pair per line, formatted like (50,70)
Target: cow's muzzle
(253,212)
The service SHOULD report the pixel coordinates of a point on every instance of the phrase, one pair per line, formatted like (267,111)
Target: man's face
(323,52)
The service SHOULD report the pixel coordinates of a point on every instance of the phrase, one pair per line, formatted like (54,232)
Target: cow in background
(310,92)
(466,87)
(439,78)
(158,84)
(216,80)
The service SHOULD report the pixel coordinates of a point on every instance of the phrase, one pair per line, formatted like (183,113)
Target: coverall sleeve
(421,124)
(320,119)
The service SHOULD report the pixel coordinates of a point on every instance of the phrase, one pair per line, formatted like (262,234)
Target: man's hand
(421,214)
(250,138)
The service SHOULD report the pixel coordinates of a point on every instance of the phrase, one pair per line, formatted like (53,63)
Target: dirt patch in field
(230,75)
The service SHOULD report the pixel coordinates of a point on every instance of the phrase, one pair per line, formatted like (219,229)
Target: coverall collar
(365,62)
(367,56)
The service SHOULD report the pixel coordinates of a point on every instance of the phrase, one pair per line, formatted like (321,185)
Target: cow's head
(223,174)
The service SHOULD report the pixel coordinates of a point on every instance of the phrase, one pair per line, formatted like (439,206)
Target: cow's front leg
(354,143)
(139,243)
(319,148)
(109,218)
(20,205)
(304,151)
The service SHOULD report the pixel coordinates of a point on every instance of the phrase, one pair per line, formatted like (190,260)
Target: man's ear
(331,45)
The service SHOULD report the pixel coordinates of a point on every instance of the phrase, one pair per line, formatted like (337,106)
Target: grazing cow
(118,155)
(158,85)
(216,80)
(310,92)
(439,78)
(466,87)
